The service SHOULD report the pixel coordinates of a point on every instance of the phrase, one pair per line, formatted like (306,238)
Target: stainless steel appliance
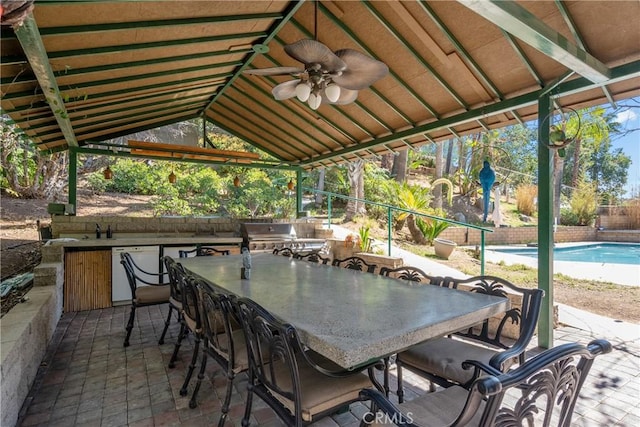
(265,237)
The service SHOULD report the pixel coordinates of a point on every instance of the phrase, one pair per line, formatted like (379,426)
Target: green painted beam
(151,45)
(292,111)
(36,53)
(417,56)
(475,67)
(128,91)
(271,33)
(620,73)
(135,25)
(545,224)
(518,21)
(523,57)
(243,136)
(352,35)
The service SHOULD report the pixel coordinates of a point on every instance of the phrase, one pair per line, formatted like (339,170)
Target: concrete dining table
(350,317)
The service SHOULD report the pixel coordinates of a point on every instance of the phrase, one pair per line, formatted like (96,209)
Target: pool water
(610,253)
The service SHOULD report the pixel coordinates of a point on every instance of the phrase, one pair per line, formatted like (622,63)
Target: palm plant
(416,198)
(431,228)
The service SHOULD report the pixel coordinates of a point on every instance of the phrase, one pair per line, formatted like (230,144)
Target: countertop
(143,241)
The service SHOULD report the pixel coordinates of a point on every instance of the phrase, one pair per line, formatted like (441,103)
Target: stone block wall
(25,334)
(167,226)
(516,235)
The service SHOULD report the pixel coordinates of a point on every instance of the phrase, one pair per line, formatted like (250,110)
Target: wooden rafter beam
(180,150)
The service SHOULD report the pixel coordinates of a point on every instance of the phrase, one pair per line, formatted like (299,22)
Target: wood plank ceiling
(78,73)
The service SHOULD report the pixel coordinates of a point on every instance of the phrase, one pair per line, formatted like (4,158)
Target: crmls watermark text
(382,418)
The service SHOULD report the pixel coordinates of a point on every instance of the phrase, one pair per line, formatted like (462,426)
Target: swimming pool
(602,253)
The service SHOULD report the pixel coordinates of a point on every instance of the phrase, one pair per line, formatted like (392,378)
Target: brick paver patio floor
(88,379)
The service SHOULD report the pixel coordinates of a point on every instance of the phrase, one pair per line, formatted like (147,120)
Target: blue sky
(630,144)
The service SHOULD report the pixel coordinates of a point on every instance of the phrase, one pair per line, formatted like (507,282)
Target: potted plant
(443,247)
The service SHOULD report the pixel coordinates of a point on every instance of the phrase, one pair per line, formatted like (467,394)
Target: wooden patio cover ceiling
(78,73)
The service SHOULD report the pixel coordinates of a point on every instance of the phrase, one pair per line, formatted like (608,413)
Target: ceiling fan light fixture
(303,90)
(332,91)
(314,101)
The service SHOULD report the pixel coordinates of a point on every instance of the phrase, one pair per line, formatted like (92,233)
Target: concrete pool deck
(621,274)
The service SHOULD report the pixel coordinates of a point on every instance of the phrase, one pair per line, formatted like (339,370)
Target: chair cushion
(444,356)
(239,346)
(436,409)
(152,294)
(319,392)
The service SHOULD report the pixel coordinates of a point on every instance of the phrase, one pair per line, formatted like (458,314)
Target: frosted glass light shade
(303,90)
(314,101)
(333,92)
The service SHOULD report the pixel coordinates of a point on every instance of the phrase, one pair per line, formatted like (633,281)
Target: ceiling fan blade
(347,96)
(285,90)
(275,71)
(361,72)
(311,52)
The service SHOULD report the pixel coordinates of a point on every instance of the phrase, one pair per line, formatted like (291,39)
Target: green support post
(389,229)
(73,177)
(329,211)
(545,223)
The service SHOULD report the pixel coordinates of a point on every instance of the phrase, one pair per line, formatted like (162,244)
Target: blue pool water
(601,253)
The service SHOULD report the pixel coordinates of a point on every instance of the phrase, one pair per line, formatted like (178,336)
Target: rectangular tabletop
(348,316)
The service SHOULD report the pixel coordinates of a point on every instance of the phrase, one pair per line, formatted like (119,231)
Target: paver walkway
(89,379)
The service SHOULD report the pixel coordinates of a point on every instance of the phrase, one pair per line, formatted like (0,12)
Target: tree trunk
(575,173)
(387,162)
(320,187)
(558,167)
(437,191)
(355,172)
(447,169)
(416,234)
(399,169)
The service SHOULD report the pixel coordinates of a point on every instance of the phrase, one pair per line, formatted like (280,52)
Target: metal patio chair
(203,251)
(312,257)
(143,292)
(222,341)
(173,269)
(541,392)
(354,263)
(499,342)
(190,322)
(298,384)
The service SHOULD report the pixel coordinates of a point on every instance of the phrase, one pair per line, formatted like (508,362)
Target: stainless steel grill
(265,237)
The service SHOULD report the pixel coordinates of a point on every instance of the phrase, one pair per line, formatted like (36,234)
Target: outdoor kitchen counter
(144,241)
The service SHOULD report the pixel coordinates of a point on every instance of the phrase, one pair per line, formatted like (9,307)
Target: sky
(630,144)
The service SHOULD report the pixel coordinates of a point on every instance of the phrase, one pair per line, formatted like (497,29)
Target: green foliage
(378,187)
(584,203)
(256,195)
(431,228)
(365,240)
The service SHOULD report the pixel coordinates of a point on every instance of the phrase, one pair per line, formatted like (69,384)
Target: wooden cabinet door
(87,280)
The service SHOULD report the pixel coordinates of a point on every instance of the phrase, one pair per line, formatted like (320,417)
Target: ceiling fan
(327,77)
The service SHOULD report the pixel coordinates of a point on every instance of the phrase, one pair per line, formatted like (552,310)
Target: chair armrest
(390,411)
(479,368)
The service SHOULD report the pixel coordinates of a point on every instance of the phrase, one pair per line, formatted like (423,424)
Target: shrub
(525,199)
(633,209)
(431,228)
(584,203)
